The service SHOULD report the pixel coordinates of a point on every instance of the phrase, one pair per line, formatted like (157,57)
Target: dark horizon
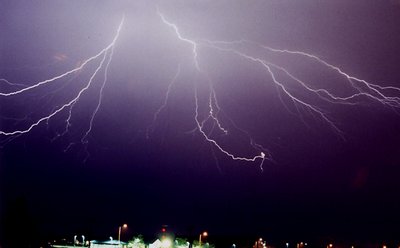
(333,179)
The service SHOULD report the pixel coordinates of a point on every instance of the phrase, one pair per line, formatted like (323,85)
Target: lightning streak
(70,105)
(211,101)
(232,156)
(213,116)
(180,37)
(373,90)
(12,84)
(100,98)
(166,98)
(361,88)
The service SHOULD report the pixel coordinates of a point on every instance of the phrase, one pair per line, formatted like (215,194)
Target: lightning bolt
(372,91)
(385,95)
(212,101)
(12,84)
(105,55)
(166,98)
(209,117)
(180,37)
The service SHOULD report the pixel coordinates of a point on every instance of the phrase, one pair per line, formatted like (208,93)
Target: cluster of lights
(260,242)
(76,241)
(301,244)
(168,243)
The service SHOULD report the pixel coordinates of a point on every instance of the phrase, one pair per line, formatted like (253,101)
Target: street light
(204,234)
(119,231)
(258,242)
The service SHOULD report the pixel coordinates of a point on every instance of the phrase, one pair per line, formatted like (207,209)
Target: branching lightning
(105,55)
(211,101)
(361,87)
(207,114)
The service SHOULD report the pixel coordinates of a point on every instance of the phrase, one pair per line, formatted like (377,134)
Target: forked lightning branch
(209,115)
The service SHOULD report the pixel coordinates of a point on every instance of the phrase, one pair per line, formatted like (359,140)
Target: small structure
(108,244)
(156,244)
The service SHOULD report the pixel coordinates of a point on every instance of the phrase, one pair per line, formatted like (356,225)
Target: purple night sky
(331,169)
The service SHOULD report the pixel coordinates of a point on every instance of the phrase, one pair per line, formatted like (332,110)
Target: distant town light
(166,243)
(203,234)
